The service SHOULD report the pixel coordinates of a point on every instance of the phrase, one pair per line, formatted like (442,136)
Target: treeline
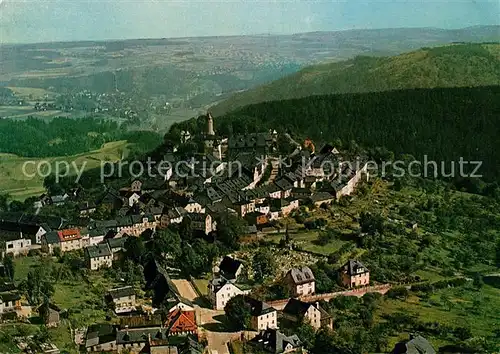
(445,124)
(64,136)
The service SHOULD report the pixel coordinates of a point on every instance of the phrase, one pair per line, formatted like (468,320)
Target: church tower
(210,124)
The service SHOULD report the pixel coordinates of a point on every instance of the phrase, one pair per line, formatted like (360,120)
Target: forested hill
(457,65)
(444,123)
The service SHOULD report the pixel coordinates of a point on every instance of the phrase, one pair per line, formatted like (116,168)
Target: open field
(32,93)
(20,186)
(307,240)
(457,307)
(201,285)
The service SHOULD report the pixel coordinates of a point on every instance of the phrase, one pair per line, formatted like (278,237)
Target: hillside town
(169,312)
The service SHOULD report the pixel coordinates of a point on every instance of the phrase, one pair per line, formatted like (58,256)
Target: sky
(31,21)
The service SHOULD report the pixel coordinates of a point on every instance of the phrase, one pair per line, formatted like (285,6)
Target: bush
(399,292)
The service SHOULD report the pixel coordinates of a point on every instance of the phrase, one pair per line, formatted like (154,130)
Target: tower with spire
(210,124)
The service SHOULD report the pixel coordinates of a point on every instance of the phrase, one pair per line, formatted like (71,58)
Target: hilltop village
(150,244)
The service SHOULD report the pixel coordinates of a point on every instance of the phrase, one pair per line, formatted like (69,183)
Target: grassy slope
(19,186)
(450,66)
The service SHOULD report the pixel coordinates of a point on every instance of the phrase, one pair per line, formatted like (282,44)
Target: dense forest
(458,65)
(64,136)
(445,124)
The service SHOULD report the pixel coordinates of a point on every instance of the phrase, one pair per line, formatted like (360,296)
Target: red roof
(69,235)
(181,321)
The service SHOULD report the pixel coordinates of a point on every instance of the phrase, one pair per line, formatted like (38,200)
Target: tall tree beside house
(229,229)
(44,309)
(263,264)
(191,263)
(165,242)
(208,252)
(186,229)
(37,286)
(371,223)
(8,263)
(306,333)
(16,206)
(238,313)
(4,202)
(324,343)
(134,249)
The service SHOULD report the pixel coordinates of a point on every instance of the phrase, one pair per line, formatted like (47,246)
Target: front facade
(244,207)
(9,302)
(98,256)
(301,281)
(202,222)
(70,240)
(263,315)
(123,299)
(18,247)
(220,291)
(354,274)
(296,311)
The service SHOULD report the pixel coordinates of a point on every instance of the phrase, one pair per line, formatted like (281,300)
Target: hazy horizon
(23,21)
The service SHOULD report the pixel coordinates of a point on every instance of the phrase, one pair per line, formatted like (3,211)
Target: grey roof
(100,250)
(87,205)
(416,345)
(99,232)
(121,292)
(284,184)
(320,196)
(301,275)
(229,267)
(104,224)
(257,307)
(99,333)
(197,216)
(52,237)
(275,341)
(296,307)
(117,242)
(6,297)
(140,335)
(354,267)
(253,140)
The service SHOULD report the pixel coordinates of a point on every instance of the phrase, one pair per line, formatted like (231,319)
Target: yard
(457,307)
(201,285)
(308,241)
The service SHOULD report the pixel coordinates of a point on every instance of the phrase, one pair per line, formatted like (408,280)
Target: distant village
(263,193)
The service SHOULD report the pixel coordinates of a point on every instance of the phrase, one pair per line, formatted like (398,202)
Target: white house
(192,206)
(123,299)
(17,247)
(99,256)
(220,291)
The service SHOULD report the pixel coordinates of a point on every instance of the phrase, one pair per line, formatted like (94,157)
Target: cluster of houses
(143,330)
(260,191)
(264,318)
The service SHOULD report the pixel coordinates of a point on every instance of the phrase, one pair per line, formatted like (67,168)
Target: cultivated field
(20,186)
